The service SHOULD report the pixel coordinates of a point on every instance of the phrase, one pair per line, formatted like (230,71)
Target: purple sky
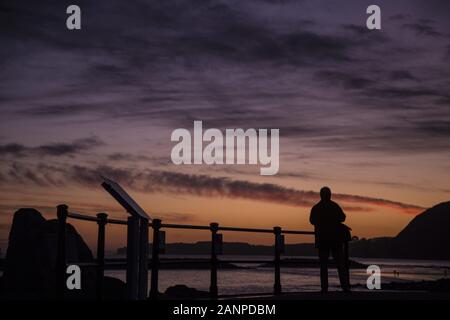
(366,112)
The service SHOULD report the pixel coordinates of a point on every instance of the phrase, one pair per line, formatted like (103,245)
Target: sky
(365,112)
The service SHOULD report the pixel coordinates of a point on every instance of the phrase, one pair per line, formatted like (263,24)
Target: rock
(29,261)
(181,292)
(114,289)
(29,271)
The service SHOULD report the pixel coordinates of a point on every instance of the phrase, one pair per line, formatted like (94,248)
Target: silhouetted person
(327,217)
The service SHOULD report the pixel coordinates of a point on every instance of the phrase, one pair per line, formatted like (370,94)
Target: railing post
(102,220)
(156,225)
(132,257)
(347,262)
(213,290)
(62,211)
(277,284)
(143,259)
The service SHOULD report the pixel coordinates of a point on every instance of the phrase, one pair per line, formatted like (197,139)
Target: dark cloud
(445,101)
(401,75)
(435,128)
(362,36)
(13,149)
(59,149)
(390,140)
(357,29)
(346,80)
(52,149)
(423,27)
(120,156)
(400,16)
(310,46)
(129,157)
(446,56)
(183,29)
(58,110)
(23,174)
(402,93)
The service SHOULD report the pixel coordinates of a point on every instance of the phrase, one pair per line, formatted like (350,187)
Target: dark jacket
(327,218)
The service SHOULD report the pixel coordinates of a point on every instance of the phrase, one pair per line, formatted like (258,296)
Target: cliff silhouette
(427,236)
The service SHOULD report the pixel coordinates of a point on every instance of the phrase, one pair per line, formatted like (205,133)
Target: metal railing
(141,245)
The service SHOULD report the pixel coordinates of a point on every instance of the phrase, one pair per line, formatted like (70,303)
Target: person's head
(325,194)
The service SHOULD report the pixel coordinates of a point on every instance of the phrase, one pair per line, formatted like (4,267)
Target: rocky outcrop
(183,292)
(29,270)
(427,236)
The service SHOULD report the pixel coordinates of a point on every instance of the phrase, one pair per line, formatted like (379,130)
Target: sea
(257,279)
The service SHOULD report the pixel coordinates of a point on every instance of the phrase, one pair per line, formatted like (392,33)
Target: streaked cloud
(52,149)
(151,181)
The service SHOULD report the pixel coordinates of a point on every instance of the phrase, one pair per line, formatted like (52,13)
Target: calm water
(294,279)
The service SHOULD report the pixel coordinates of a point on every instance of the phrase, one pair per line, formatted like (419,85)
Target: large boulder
(29,271)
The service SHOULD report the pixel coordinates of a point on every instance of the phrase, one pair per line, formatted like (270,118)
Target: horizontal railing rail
(100,262)
(79,216)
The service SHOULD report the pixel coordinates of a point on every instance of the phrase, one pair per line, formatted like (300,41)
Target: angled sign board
(123,198)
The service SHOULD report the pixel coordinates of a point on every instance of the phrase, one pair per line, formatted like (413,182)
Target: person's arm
(313,217)
(340,214)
